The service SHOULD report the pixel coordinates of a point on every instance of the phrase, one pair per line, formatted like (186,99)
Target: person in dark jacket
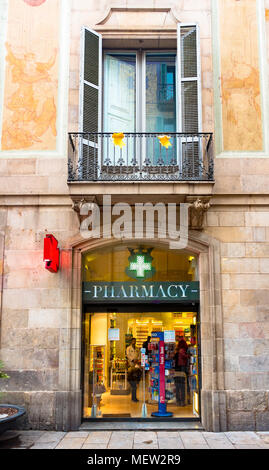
(181,365)
(133,377)
(146,345)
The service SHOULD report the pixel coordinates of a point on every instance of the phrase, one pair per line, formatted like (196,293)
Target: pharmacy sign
(140,292)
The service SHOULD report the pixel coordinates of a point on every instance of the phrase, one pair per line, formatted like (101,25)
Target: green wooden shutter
(90,103)
(189,97)
(189,78)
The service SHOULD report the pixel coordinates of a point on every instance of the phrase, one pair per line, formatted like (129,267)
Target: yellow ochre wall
(31,77)
(240,76)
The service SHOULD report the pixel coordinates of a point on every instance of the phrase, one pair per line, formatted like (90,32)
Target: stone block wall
(35,329)
(243,232)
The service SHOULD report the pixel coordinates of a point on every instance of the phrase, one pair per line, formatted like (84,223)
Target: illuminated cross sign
(140,266)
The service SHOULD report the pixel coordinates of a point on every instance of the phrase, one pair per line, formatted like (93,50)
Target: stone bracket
(79,201)
(198,206)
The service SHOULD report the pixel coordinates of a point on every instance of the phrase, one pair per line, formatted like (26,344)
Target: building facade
(106,106)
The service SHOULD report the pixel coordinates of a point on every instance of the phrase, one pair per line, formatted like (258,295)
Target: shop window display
(111,391)
(132,377)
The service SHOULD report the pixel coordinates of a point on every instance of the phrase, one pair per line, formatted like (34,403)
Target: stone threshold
(141,426)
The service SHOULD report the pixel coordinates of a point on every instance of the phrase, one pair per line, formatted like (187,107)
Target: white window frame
(140,90)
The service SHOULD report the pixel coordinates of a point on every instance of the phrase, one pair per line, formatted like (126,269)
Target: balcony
(94,157)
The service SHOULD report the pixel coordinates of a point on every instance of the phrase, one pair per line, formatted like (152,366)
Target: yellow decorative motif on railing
(118,139)
(164,141)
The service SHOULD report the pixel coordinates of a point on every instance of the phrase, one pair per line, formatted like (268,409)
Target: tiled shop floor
(138,440)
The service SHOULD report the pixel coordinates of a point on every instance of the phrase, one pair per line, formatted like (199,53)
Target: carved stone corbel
(198,206)
(78,202)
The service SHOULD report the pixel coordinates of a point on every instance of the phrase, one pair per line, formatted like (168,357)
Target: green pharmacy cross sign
(140,264)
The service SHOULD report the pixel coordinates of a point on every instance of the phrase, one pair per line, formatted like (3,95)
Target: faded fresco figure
(32,104)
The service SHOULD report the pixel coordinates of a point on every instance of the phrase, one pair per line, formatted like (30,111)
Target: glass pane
(119,93)
(117,382)
(160,106)
(160,93)
(110,388)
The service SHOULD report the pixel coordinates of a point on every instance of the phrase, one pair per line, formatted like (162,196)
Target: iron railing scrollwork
(95,157)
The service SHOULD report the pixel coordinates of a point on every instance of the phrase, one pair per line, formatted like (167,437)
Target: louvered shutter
(90,103)
(189,94)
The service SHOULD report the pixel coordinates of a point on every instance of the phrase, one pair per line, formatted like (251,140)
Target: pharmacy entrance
(141,334)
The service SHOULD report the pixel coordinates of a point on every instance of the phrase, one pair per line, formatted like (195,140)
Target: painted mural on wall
(30,103)
(34,3)
(240,76)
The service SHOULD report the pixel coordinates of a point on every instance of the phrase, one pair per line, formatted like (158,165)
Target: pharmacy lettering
(133,292)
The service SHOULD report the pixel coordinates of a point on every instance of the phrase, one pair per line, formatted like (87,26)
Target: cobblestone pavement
(138,440)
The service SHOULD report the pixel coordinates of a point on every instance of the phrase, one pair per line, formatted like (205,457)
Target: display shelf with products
(97,362)
(153,359)
(193,371)
(97,377)
(118,377)
(141,334)
(159,358)
(112,343)
(170,389)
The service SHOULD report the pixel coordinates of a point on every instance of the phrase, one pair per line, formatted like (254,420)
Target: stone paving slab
(44,445)
(248,446)
(145,440)
(121,440)
(138,440)
(74,434)
(94,446)
(247,437)
(193,440)
(71,443)
(217,440)
(170,444)
(169,440)
(98,437)
(51,436)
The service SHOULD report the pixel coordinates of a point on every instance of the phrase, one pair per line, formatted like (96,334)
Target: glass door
(160,107)
(119,107)
(122,376)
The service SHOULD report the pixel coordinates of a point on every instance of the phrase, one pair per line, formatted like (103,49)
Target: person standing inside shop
(181,365)
(134,371)
(146,345)
(132,353)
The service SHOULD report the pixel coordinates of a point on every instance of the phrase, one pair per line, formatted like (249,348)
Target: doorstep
(141,426)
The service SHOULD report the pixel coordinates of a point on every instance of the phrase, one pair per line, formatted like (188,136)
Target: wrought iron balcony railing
(95,157)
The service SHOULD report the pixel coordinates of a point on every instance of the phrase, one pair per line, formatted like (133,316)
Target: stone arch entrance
(213,406)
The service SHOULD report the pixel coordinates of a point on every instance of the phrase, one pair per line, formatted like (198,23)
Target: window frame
(140,82)
(95,142)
